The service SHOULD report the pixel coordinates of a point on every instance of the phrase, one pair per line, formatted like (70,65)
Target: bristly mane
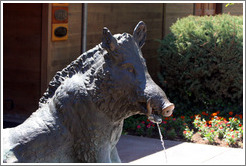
(78,65)
(74,67)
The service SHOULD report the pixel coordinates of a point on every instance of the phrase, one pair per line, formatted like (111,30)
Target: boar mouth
(155,115)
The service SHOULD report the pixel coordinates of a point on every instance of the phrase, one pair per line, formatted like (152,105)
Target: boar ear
(108,41)
(140,33)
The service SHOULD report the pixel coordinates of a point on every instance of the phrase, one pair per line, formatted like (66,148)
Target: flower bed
(200,128)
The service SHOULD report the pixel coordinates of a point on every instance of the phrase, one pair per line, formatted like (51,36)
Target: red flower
(240,125)
(143,122)
(138,126)
(182,117)
(214,114)
(184,132)
(148,126)
(240,116)
(232,136)
(209,126)
(231,113)
(191,116)
(164,122)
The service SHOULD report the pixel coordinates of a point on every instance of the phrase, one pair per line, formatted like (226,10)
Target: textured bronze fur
(80,116)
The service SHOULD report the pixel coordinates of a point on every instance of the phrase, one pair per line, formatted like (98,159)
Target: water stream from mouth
(162,141)
(157,119)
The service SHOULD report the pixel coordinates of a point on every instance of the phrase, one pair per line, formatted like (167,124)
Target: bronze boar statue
(81,114)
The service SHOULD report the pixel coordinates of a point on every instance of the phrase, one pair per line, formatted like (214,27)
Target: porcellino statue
(80,116)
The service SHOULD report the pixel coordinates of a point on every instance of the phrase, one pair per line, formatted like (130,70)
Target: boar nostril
(167,111)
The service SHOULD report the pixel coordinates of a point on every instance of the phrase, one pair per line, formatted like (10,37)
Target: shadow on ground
(131,148)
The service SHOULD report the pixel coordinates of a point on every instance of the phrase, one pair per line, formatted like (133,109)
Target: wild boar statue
(81,114)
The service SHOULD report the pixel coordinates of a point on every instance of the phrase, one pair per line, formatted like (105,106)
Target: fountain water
(157,119)
(162,141)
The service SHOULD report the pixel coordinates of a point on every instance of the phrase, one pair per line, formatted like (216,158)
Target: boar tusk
(149,108)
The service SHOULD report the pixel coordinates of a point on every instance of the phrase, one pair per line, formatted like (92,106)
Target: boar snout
(168,110)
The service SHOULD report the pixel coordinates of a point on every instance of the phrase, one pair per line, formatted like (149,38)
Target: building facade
(40,39)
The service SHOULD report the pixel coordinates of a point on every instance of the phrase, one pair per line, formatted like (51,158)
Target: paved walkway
(148,151)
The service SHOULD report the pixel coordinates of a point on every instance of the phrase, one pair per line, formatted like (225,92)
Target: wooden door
(22,30)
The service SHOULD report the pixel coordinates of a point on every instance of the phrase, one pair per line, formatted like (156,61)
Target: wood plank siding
(61,53)
(174,11)
(236,9)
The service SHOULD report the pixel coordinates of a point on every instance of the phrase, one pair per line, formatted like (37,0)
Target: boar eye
(129,67)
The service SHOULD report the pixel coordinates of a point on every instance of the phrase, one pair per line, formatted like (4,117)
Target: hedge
(202,62)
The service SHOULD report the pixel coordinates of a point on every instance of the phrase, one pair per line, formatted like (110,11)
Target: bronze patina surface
(80,116)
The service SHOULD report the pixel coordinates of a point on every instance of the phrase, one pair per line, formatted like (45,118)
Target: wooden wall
(236,9)
(30,57)
(123,17)
(119,18)
(22,30)
(173,11)
(61,53)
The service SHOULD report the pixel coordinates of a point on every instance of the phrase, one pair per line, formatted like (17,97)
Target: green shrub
(202,62)
(171,134)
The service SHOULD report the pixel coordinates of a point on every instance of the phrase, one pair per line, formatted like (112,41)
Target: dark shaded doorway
(22,30)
